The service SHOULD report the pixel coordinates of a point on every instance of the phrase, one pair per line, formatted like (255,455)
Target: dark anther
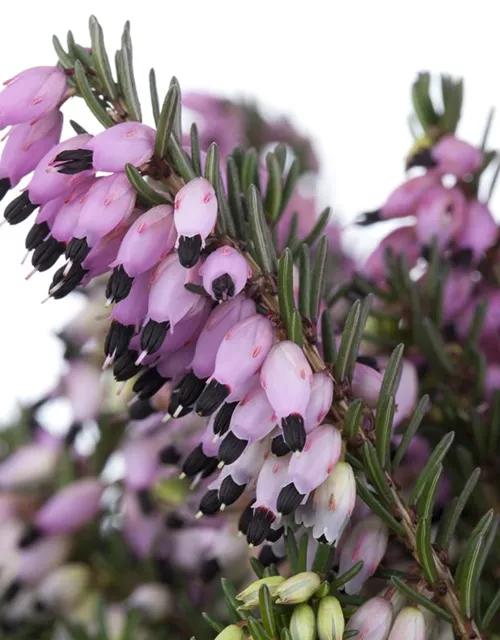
(267,556)
(279,447)
(153,335)
(174,521)
(118,285)
(189,250)
(462,258)
(47,253)
(370,217)
(259,525)
(210,468)
(61,285)
(231,448)
(210,569)
(323,539)
(40,607)
(230,491)
(370,361)
(125,367)
(169,455)
(210,503)
(173,407)
(195,462)
(223,417)
(31,535)
(73,431)
(149,383)
(4,187)
(140,410)
(118,338)
(189,389)
(288,499)
(294,432)
(450,332)
(425,252)
(245,517)
(36,235)
(422,159)
(212,397)
(164,571)
(19,209)
(77,250)
(12,590)
(223,287)
(74,161)
(145,501)
(275,534)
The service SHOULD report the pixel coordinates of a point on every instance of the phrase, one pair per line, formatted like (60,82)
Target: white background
(341,69)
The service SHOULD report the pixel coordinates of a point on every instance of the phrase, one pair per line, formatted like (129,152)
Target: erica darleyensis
(260,393)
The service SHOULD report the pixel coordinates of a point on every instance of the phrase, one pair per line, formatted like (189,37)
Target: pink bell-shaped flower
(169,301)
(372,620)
(109,151)
(46,184)
(221,320)
(403,201)
(39,559)
(450,156)
(26,145)
(311,468)
(240,355)
(252,419)
(58,515)
(149,239)
(320,401)
(458,289)
(271,479)
(141,523)
(108,203)
(441,214)
(29,464)
(366,383)
(225,273)
(31,95)
(479,231)
(366,542)
(82,384)
(43,223)
(236,477)
(402,241)
(287,378)
(127,317)
(195,214)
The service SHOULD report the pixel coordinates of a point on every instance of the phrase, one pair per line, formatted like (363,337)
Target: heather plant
(262,430)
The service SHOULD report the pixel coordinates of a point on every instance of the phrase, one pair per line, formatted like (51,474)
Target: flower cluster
(246,371)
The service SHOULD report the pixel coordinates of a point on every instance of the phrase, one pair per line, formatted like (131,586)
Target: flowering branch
(221,318)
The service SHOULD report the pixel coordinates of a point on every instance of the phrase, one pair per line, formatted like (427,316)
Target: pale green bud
(303,623)
(330,619)
(250,596)
(233,632)
(298,588)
